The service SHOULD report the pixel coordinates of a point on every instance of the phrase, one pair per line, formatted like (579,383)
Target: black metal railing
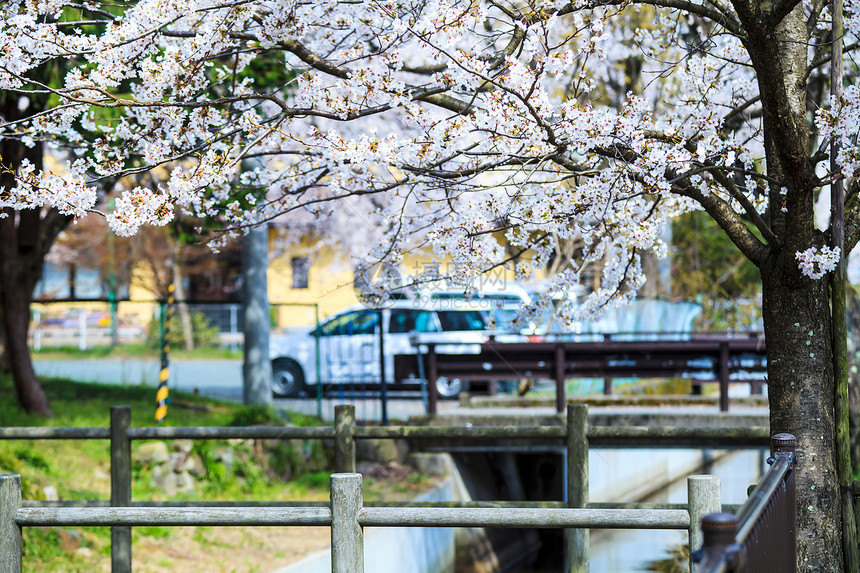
(763,534)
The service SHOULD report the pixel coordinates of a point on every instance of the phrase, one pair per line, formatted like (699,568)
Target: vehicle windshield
(463,320)
(408,320)
(359,322)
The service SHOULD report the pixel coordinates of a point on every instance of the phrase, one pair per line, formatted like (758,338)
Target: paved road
(215,378)
(222,378)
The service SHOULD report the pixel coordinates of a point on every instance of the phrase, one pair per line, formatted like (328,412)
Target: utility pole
(256,368)
(114,319)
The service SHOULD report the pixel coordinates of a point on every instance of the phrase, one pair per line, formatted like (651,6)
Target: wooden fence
(575,515)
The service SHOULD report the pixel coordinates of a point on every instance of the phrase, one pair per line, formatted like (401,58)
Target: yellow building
(306,282)
(312,278)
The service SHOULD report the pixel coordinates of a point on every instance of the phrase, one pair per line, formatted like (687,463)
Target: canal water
(628,551)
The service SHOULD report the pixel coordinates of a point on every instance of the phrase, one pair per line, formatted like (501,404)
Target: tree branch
(729,23)
(729,221)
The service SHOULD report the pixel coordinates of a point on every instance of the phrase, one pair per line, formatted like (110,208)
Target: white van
(348,343)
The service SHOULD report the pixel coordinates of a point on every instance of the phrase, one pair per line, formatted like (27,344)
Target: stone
(183,446)
(153,453)
(225,456)
(364,468)
(195,466)
(184,482)
(177,460)
(84,553)
(170,484)
(70,539)
(51,493)
(159,473)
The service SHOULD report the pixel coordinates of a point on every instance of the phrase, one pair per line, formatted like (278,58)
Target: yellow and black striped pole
(161,397)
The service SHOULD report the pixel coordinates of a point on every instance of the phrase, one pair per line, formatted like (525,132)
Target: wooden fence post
(10,533)
(703,497)
(347,537)
(577,484)
(120,486)
(344,447)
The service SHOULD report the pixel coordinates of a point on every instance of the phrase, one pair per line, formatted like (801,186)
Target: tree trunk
(801,392)
(15,299)
(25,238)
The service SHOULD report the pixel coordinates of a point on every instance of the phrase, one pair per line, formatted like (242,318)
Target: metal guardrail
(763,534)
(575,437)
(605,359)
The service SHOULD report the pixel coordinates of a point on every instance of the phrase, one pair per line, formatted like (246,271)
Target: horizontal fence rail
(429,516)
(598,436)
(762,536)
(574,438)
(172,516)
(549,518)
(345,514)
(27,433)
(414,504)
(231,432)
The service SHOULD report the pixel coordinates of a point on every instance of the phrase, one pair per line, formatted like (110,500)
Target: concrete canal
(622,551)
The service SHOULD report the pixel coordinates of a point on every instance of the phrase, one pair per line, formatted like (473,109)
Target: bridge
(703,357)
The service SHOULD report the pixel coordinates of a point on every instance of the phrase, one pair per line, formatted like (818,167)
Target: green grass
(82,404)
(80,469)
(137,350)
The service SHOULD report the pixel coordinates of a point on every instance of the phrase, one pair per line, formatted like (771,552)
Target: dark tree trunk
(801,393)
(15,301)
(25,238)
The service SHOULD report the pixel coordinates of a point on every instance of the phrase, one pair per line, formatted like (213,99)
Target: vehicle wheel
(450,387)
(288,380)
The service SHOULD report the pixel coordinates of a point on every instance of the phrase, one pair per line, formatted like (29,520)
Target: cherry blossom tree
(484,127)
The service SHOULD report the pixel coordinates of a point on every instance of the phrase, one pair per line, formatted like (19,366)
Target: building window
(301,268)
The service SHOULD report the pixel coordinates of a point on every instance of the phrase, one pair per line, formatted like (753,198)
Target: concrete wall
(624,475)
(400,549)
